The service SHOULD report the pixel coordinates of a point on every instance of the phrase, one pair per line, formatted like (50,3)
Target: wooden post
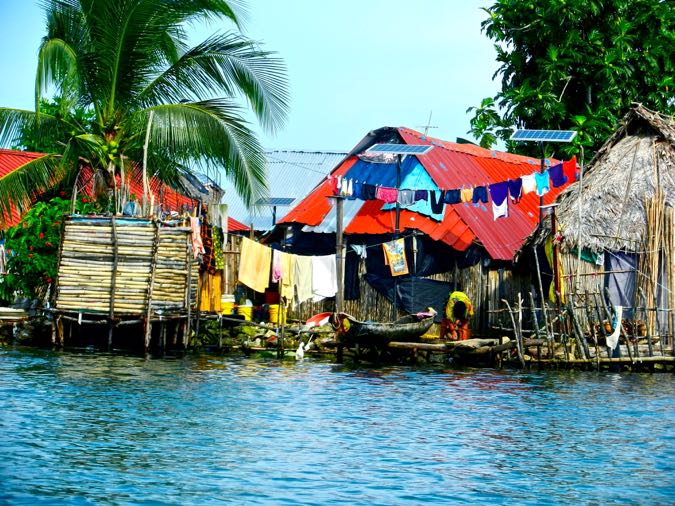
(339,252)
(188,295)
(113,281)
(519,344)
(151,286)
(549,331)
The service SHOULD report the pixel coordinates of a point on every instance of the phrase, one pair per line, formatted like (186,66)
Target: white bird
(300,352)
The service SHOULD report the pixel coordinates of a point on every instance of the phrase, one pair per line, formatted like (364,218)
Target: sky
(353,65)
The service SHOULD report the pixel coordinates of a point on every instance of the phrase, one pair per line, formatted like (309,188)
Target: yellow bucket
(227,307)
(277,314)
(246,312)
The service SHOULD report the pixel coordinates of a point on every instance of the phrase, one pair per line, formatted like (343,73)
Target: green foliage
(32,248)
(576,64)
(124,68)
(30,139)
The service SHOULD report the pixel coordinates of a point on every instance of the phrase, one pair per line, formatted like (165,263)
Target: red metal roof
(451,166)
(170,198)
(10,160)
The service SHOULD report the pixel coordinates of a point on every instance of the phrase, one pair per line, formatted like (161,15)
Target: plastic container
(227,307)
(246,312)
(277,314)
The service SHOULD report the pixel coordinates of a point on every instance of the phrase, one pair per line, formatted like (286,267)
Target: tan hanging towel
(287,277)
(254,265)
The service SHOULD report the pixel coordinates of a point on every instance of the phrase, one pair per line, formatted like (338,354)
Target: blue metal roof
(290,174)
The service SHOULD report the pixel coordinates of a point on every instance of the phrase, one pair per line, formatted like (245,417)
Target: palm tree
(127,62)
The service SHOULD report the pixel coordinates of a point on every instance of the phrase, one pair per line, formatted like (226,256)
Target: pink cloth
(388,195)
(197,245)
(276,266)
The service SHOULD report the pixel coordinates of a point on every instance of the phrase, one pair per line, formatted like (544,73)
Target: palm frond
(25,183)
(14,122)
(226,64)
(214,132)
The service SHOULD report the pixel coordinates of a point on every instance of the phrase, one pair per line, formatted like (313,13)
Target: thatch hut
(615,225)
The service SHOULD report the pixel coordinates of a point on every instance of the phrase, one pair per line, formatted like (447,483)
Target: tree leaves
(562,60)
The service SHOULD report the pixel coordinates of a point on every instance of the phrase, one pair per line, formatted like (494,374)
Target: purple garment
(452,197)
(421,195)
(480,194)
(557,175)
(499,192)
(516,189)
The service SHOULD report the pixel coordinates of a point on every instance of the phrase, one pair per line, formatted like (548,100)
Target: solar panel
(544,135)
(275,201)
(400,149)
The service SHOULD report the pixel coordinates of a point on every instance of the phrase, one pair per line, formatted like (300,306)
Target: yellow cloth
(254,265)
(455,297)
(287,277)
(394,257)
(211,292)
(303,278)
(466,194)
(548,248)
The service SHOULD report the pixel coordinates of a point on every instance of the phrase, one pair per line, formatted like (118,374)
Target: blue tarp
(413,177)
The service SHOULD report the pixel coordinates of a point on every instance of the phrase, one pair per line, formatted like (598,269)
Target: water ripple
(86,428)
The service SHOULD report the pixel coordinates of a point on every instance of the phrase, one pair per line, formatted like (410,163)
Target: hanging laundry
(276,265)
(543,183)
(570,169)
(394,255)
(529,183)
(369,191)
(466,194)
(303,277)
(557,176)
(406,197)
(356,191)
(211,292)
(224,223)
(388,195)
(421,195)
(436,201)
(324,277)
(480,194)
(452,197)
(515,189)
(344,188)
(254,265)
(500,203)
(286,288)
(197,245)
(350,188)
(333,184)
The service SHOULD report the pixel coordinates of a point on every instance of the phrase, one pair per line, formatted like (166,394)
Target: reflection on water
(96,428)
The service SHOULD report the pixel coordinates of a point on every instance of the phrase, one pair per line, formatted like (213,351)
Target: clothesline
(499,193)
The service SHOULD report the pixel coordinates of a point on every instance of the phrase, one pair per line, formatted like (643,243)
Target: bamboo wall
(124,263)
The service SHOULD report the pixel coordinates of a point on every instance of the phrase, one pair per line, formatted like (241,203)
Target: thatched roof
(636,159)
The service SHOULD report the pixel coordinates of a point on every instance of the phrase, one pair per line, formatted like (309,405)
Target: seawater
(92,428)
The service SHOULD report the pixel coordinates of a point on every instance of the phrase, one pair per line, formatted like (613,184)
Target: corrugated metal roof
(172,200)
(290,174)
(9,161)
(451,166)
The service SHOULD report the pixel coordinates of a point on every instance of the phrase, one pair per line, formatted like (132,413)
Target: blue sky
(353,65)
